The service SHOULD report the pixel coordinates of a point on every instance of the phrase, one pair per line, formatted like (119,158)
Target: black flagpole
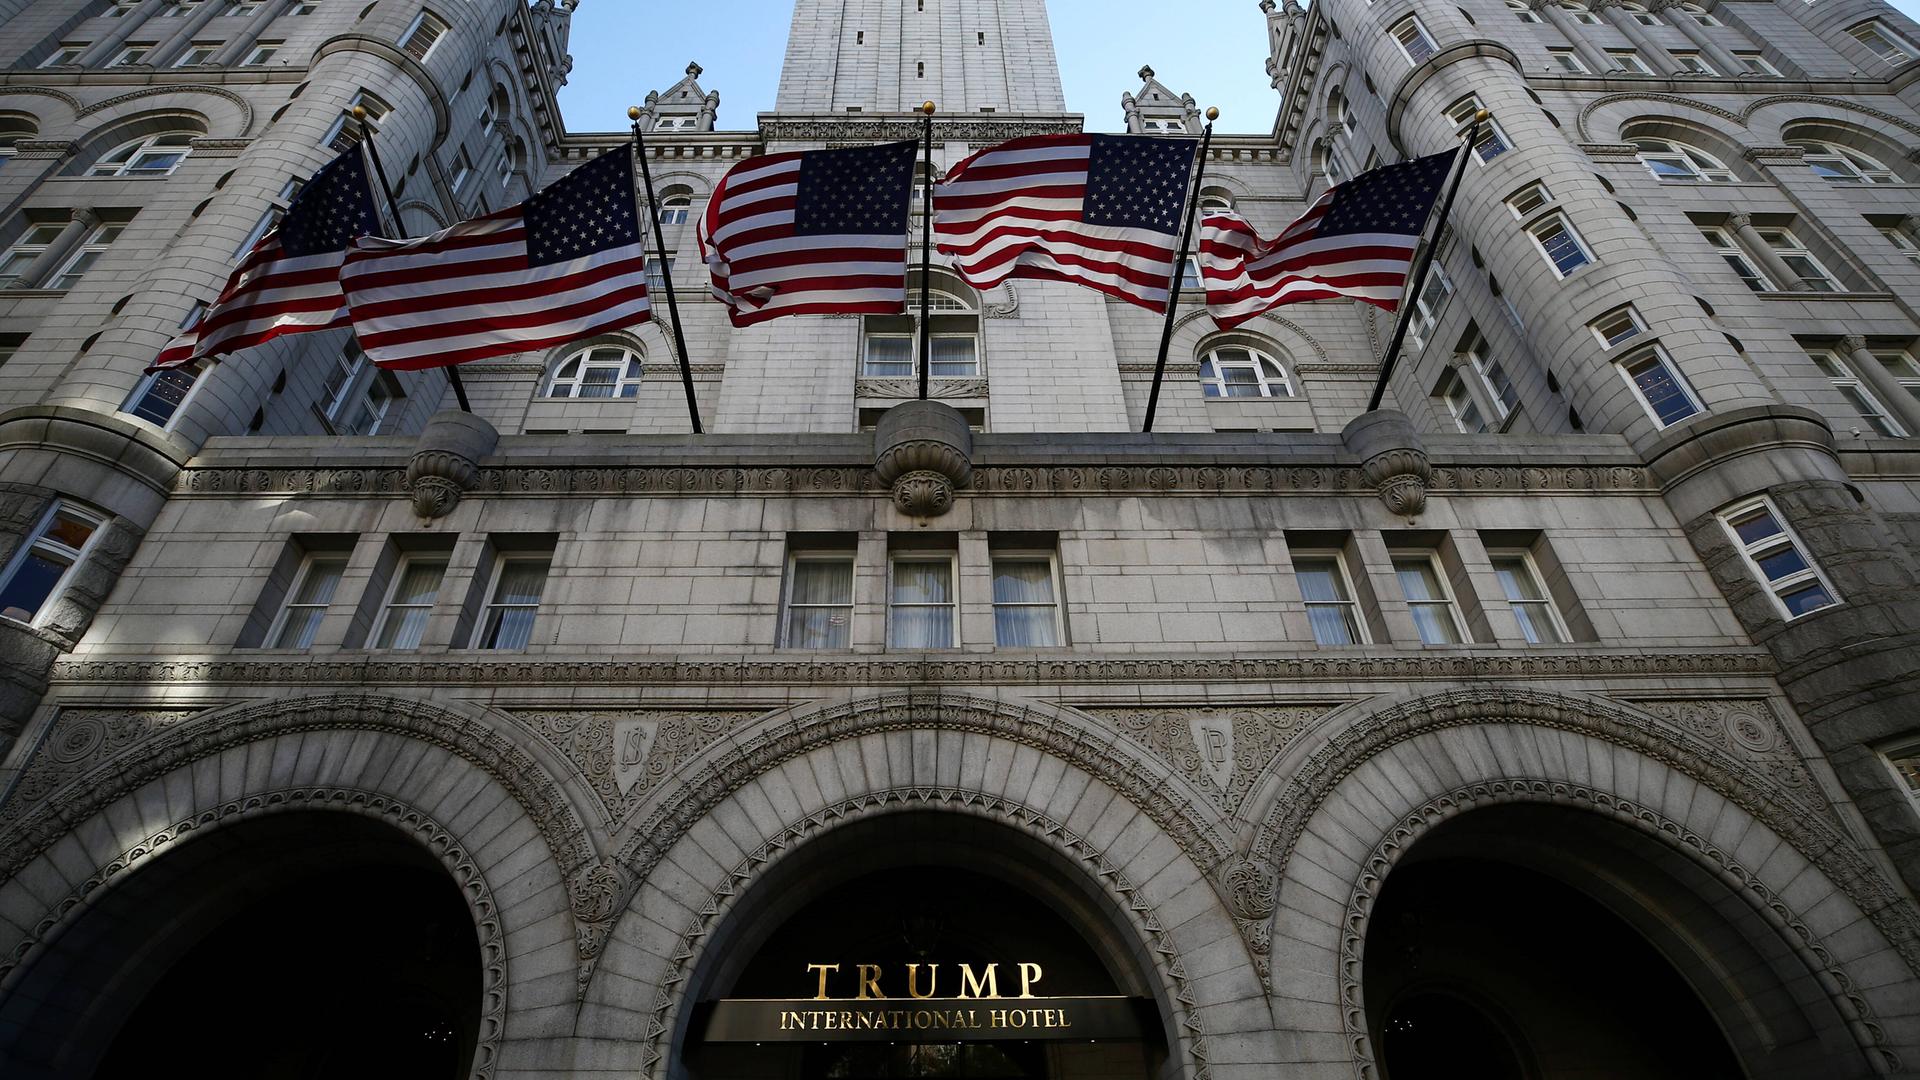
(393,207)
(1180,268)
(926,254)
(1418,279)
(666,277)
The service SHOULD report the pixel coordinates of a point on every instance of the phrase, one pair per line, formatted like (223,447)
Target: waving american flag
(811,233)
(567,263)
(1102,211)
(1357,241)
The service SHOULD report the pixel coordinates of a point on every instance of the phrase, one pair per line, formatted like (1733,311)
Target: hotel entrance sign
(977,1014)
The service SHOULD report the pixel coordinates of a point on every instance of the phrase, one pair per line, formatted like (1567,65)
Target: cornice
(814,669)
(775,127)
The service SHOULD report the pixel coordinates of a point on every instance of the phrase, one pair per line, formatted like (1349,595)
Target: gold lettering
(997,1018)
(823,969)
(870,981)
(971,987)
(1029,974)
(913,980)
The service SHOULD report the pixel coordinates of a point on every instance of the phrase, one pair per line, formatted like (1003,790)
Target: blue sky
(1216,51)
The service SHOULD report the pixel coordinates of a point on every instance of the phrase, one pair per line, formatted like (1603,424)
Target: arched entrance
(286,946)
(923,943)
(1532,941)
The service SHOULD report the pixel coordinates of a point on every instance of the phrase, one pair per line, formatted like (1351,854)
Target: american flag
(289,282)
(567,263)
(810,233)
(1357,240)
(1099,210)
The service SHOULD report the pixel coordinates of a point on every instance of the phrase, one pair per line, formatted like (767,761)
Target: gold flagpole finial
(633,113)
(1213,113)
(927,107)
(1482,116)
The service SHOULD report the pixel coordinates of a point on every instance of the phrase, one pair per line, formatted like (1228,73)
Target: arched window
(1842,165)
(152,155)
(1676,161)
(1240,370)
(599,371)
(1215,200)
(1522,11)
(1640,14)
(1580,12)
(675,204)
(1700,15)
(13,131)
(953,315)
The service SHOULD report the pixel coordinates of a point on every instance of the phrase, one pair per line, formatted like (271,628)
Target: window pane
(953,356)
(31,584)
(1663,393)
(1515,580)
(922,582)
(1780,562)
(323,577)
(1022,581)
(299,629)
(164,395)
(69,530)
(1435,623)
(403,628)
(818,628)
(823,581)
(521,582)
(1332,624)
(1417,579)
(1536,624)
(1025,627)
(508,628)
(1319,580)
(1810,598)
(420,584)
(1755,526)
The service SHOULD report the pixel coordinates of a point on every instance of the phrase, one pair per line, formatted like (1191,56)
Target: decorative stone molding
(1128,899)
(1393,460)
(903,389)
(1881,115)
(1305,665)
(626,753)
(428,833)
(1675,834)
(1803,825)
(238,102)
(1791,155)
(923,451)
(1221,749)
(1583,123)
(446,461)
(837,128)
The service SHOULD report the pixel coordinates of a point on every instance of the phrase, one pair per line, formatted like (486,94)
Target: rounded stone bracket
(446,461)
(923,451)
(1392,459)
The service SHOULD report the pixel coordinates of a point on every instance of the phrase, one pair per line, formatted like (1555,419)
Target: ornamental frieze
(1226,478)
(1223,750)
(82,738)
(625,753)
(1747,729)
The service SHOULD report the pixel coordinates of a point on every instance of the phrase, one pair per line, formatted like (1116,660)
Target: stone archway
(1395,776)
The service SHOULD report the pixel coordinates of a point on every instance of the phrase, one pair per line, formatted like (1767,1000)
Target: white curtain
(1023,605)
(922,608)
(819,612)
(516,602)
(413,600)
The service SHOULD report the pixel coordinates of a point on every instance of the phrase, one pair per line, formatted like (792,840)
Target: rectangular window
(1692,63)
(1755,64)
(20,257)
(348,363)
(1630,60)
(403,616)
(1559,244)
(954,356)
(1532,608)
(1666,396)
(46,560)
(343,134)
(260,54)
(307,601)
(1491,142)
(135,53)
(1414,39)
(513,602)
(1886,44)
(1026,601)
(1776,558)
(1736,259)
(1904,243)
(160,395)
(658,270)
(819,601)
(198,53)
(1461,406)
(1567,61)
(921,613)
(1328,593)
(1813,276)
(1426,593)
(1905,762)
(1618,325)
(365,415)
(1500,389)
(889,356)
(1427,307)
(423,35)
(461,169)
(1901,365)
(1528,199)
(69,52)
(83,257)
(307,8)
(1859,399)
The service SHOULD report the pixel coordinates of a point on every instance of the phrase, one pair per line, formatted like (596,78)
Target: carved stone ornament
(923,450)
(1393,460)
(446,463)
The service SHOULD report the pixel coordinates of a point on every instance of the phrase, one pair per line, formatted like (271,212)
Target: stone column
(44,264)
(125,27)
(1655,54)
(1723,61)
(232,51)
(1596,58)
(1770,260)
(1891,394)
(178,42)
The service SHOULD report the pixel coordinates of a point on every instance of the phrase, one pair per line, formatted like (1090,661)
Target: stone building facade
(1556,720)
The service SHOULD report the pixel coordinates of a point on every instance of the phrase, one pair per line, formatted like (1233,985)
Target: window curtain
(922,615)
(820,610)
(1023,604)
(412,602)
(515,604)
